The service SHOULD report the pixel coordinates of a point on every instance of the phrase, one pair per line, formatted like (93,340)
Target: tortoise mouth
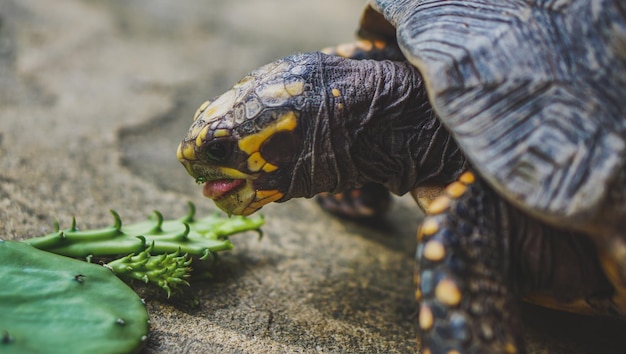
(231,190)
(233,196)
(236,196)
(220,188)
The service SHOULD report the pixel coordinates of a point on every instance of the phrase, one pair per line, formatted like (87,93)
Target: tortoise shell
(532,91)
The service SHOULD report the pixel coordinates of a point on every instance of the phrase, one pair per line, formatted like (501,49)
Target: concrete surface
(94,98)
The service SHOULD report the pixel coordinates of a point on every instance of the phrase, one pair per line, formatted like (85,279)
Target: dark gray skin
(359,122)
(386,134)
(358,142)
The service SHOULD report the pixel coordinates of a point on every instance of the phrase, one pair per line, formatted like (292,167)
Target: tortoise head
(306,124)
(243,145)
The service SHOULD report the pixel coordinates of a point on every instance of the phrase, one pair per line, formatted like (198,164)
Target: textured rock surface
(94,98)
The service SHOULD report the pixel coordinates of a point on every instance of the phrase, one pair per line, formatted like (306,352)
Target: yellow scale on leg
(446,291)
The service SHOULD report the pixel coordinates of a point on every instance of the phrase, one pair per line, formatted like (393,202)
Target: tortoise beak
(235,199)
(231,190)
(231,193)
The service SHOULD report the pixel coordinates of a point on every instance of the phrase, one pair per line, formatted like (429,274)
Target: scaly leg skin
(372,200)
(466,301)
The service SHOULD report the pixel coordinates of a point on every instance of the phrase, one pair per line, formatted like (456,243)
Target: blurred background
(94,98)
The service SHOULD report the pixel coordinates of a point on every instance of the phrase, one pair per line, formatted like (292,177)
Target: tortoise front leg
(370,201)
(466,301)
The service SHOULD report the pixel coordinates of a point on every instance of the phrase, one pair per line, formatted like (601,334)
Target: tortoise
(505,120)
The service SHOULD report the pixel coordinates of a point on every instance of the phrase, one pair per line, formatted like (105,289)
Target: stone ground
(94,97)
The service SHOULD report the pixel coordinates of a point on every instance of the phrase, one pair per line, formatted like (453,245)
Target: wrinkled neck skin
(371,121)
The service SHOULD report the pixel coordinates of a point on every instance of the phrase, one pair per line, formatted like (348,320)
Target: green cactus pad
(54,304)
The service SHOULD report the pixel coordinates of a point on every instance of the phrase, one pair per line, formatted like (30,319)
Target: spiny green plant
(157,251)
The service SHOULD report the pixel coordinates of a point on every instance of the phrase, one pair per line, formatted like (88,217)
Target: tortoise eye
(218,151)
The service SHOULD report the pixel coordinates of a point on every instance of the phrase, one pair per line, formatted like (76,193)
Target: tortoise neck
(371,122)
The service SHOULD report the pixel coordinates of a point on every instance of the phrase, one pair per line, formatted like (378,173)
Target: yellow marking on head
(255,162)
(439,205)
(340,105)
(428,227)
(456,189)
(275,91)
(265,197)
(220,106)
(204,105)
(233,173)
(255,205)
(380,44)
(268,167)
(336,92)
(179,152)
(189,152)
(195,130)
(201,109)
(418,294)
(202,136)
(364,45)
(426,319)
(426,351)
(260,194)
(220,133)
(453,351)
(295,88)
(252,143)
(434,251)
(248,210)
(287,122)
(417,279)
(448,293)
(467,178)
(271,198)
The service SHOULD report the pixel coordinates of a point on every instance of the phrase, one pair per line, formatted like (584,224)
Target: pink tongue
(217,188)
